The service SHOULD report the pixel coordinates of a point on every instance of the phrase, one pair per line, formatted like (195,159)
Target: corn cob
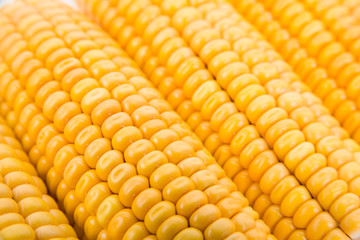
(232,161)
(269,134)
(343,25)
(230,166)
(213,142)
(95,8)
(27,212)
(306,131)
(315,77)
(340,68)
(124,10)
(270,87)
(168,143)
(309,78)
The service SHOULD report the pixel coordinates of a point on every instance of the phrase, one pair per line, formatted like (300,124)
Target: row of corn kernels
(141,155)
(321,58)
(27,212)
(252,195)
(142,9)
(314,52)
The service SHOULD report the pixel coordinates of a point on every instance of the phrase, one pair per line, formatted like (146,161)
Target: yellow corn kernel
(53,102)
(327,224)
(261,164)
(177,188)
(283,188)
(72,77)
(32,204)
(150,162)
(38,219)
(272,177)
(171,226)
(124,137)
(131,188)
(178,151)
(344,205)
(103,235)
(163,137)
(137,150)
(332,191)
(86,136)
(120,223)
(229,206)
(71,201)
(64,113)
(50,201)
(93,98)
(107,209)
(259,106)
(158,214)
(189,202)
(317,181)
(303,171)
(92,227)
(107,162)
(81,88)
(8,205)
(74,170)
(75,125)
(56,143)
(95,150)
(284,228)
(64,156)
(95,196)
(220,228)
(9,219)
(10,164)
(136,231)
(16,178)
(163,175)
(151,127)
(85,183)
(80,215)
(5,191)
(25,190)
(18,231)
(104,110)
(336,233)
(62,189)
(46,91)
(293,200)
(242,138)
(203,179)
(350,224)
(144,201)
(188,233)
